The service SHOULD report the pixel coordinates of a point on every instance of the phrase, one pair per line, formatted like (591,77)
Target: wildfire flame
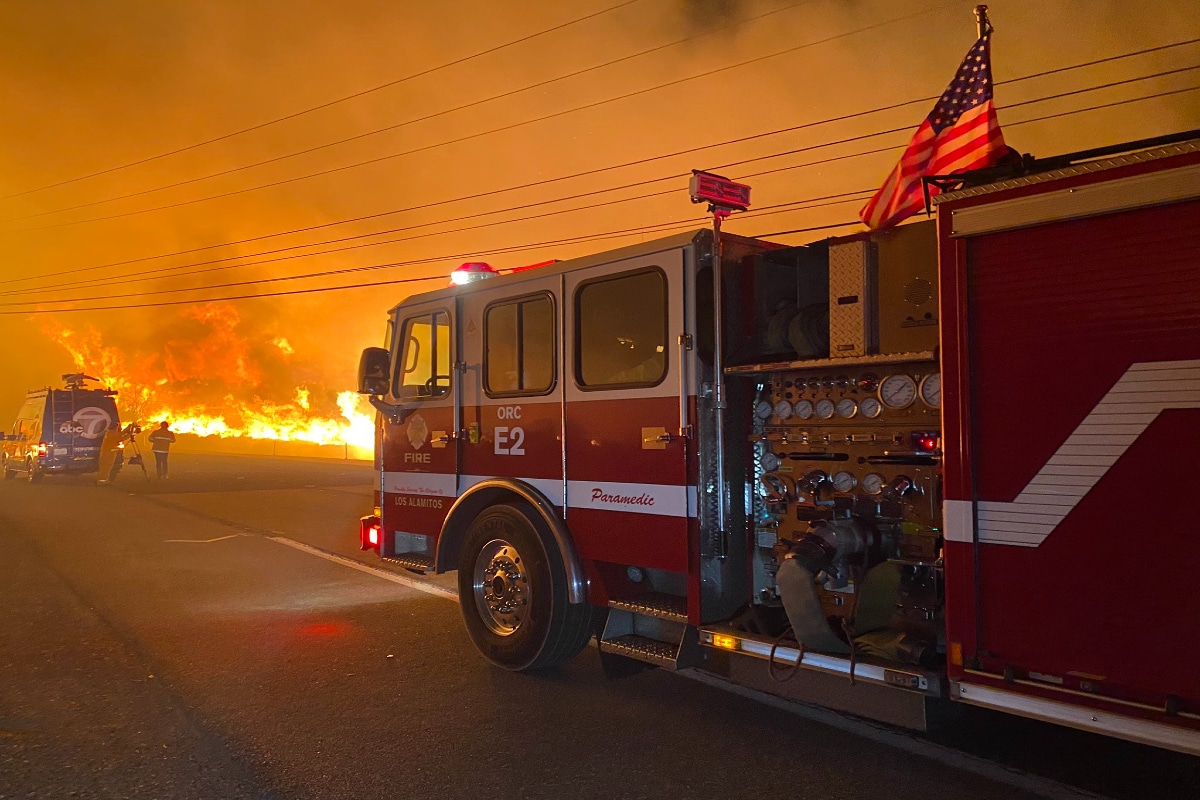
(208,382)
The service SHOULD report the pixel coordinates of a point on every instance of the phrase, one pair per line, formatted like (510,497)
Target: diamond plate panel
(852,328)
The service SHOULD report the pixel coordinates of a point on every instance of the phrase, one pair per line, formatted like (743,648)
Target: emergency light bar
(472,271)
(705,187)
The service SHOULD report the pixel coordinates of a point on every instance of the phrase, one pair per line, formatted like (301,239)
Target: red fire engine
(885,471)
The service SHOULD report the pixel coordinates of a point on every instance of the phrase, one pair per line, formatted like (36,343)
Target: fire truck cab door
(628,494)
(420,455)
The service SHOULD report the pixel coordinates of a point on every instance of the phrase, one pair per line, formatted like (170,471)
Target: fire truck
(886,472)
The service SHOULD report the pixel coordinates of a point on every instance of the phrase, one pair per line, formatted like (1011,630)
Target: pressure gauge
(844,481)
(783,409)
(872,483)
(825,409)
(846,408)
(770,462)
(898,391)
(762,410)
(931,390)
(870,407)
(804,409)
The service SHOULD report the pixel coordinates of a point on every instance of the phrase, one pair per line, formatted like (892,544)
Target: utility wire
(406,123)
(513,188)
(780,131)
(396,264)
(530,87)
(795,205)
(372,284)
(499,129)
(404,280)
(141,274)
(330,103)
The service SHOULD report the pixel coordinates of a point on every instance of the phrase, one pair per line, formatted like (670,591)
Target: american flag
(961,133)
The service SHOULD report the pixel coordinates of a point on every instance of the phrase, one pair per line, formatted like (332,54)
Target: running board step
(652,651)
(418,562)
(652,637)
(662,606)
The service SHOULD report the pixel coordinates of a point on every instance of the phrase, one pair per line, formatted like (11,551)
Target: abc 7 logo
(90,423)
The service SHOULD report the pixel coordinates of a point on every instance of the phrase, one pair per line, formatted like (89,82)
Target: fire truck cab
(806,501)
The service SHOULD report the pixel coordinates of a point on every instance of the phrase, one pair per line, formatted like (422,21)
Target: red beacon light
(926,441)
(472,271)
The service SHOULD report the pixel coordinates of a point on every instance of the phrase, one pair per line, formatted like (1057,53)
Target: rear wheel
(35,474)
(513,592)
(9,472)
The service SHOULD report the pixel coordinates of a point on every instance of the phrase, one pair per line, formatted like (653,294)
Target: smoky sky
(87,86)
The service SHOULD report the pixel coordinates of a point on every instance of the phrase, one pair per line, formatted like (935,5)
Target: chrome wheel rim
(501,588)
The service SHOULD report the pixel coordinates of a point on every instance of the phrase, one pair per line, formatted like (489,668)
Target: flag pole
(983,25)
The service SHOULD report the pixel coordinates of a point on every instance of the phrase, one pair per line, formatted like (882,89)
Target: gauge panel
(844,481)
(931,390)
(872,483)
(898,391)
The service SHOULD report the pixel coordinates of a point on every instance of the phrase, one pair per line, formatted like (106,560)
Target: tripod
(129,438)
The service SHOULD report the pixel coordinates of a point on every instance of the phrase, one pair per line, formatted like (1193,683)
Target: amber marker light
(725,642)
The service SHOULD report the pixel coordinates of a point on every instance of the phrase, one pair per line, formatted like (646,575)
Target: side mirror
(373,368)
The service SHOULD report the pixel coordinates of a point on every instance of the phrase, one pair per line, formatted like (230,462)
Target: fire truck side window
(424,368)
(519,347)
(621,331)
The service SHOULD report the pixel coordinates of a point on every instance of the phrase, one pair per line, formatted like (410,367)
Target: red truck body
(807,501)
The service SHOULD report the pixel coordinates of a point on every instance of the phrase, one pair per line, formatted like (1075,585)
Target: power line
(662,227)
(139,275)
(330,103)
(762,212)
(530,87)
(796,205)
(407,280)
(841,118)
(479,134)
(142,275)
(406,123)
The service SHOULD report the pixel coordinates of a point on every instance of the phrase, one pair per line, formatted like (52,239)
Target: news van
(60,431)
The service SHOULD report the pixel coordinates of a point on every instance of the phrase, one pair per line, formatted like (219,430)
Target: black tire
(35,474)
(513,592)
(9,472)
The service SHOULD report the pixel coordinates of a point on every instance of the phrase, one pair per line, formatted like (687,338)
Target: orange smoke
(205,375)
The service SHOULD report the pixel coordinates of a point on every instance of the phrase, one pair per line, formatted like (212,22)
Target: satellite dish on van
(74,380)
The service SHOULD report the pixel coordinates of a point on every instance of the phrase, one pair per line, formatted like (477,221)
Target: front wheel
(513,591)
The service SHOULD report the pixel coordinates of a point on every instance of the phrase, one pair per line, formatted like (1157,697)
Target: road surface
(191,638)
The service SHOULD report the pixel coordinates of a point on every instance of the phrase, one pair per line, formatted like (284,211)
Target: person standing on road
(161,440)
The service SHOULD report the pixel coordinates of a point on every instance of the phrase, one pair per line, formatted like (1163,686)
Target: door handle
(656,438)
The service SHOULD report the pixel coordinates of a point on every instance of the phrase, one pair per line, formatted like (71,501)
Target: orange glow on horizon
(209,386)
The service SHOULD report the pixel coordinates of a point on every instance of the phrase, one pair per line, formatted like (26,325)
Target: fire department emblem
(92,422)
(418,431)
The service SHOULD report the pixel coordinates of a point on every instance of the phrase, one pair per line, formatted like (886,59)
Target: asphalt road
(160,639)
